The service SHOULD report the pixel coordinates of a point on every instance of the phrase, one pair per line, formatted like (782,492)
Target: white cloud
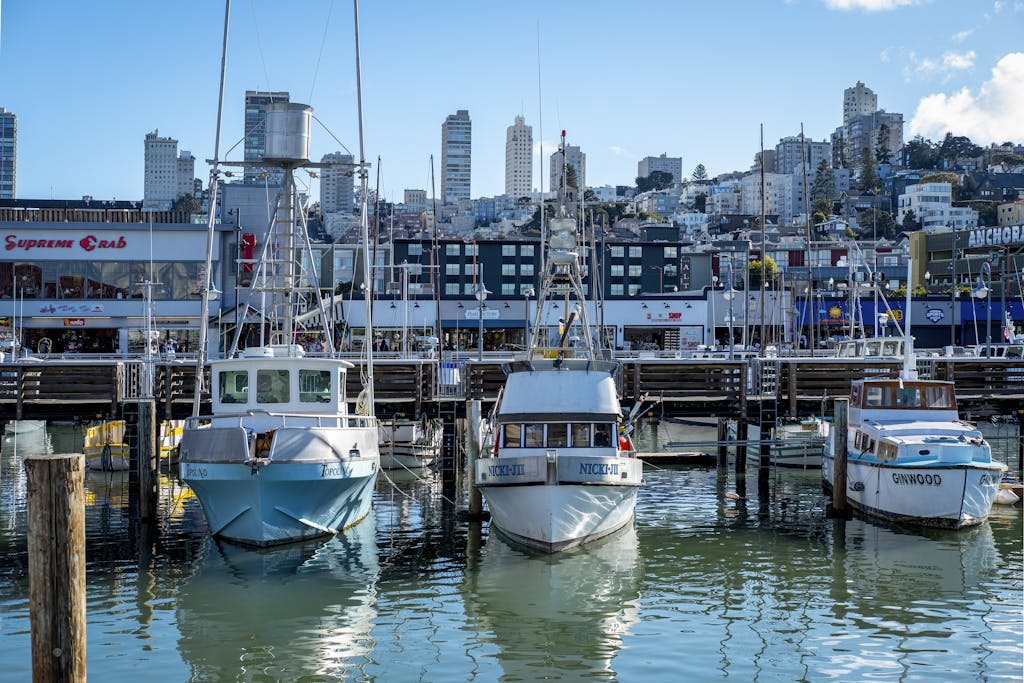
(990,115)
(884,56)
(927,67)
(870,5)
(962,35)
(618,151)
(998,6)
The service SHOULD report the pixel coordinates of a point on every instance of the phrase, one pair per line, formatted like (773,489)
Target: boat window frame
(313,381)
(278,390)
(240,393)
(506,428)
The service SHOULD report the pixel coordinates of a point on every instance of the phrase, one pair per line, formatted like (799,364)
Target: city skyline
(695,83)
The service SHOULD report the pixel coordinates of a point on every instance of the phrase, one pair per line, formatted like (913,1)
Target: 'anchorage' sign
(995,237)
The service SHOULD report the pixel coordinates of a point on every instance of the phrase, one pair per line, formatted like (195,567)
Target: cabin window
(558,435)
(534,434)
(874,397)
(939,397)
(272,386)
(908,397)
(234,386)
(314,386)
(602,436)
(580,435)
(513,435)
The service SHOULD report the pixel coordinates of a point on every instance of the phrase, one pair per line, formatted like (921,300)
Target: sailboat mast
(204,313)
(764,251)
(364,224)
(807,232)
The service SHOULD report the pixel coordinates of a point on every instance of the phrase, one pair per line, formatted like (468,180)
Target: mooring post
(764,459)
(741,447)
(723,436)
(839,433)
(145,460)
(56,565)
(476,503)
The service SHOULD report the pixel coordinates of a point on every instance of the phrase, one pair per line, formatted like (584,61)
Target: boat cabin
(540,435)
(875,347)
(279,383)
(904,395)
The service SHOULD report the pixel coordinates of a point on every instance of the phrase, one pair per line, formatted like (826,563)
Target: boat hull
(799,455)
(950,496)
(555,517)
(407,456)
(281,502)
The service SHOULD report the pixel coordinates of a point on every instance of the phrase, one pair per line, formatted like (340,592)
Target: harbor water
(712,582)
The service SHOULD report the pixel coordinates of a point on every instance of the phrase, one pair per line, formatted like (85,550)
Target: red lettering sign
(74,322)
(88,243)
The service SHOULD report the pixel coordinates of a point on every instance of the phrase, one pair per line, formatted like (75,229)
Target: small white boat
(105,447)
(910,458)
(279,459)
(798,443)
(557,474)
(410,444)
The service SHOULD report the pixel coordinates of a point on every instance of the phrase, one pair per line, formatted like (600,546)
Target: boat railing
(287,420)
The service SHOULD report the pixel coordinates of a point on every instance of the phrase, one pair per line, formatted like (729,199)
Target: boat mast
(809,301)
(208,274)
(764,251)
(364,225)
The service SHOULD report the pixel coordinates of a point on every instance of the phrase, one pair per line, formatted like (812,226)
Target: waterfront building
(931,205)
(519,159)
(256,102)
(574,157)
(8,154)
(663,163)
(456,157)
(337,183)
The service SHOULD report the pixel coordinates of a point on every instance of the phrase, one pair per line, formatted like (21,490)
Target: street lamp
(980,292)
(527,293)
(481,296)
(711,328)
(927,281)
(661,278)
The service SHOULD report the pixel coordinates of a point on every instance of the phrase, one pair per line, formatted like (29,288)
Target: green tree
(699,173)
(875,223)
(882,151)
(868,173)
(817,218)
(910,223)
(700,201)
(987,212)
(824,182)
(771,271)
(188,203)
(822,205)
(657,180)
(956,147)
(921,153)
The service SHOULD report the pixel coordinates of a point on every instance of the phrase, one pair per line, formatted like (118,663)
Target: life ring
(624,444)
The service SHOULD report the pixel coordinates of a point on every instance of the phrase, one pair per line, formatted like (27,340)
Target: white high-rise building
(256,102)
(337,183)
(456,155)
(160,183)
(857,101)
(186,172)
(778,195)
(573,157)
(8,153)
(519,159)
(663,163)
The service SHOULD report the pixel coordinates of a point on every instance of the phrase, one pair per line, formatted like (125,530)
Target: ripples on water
(704,587)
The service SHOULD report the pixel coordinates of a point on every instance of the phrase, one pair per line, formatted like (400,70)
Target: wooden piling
(148,461)
(723,436)
(473,418)
(741,447)
(56,565)
(764,459)
(839,434)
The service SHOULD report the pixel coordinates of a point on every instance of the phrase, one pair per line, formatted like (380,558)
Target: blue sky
(627,80)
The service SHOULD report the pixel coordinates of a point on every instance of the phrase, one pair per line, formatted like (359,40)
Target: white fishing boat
(798,443)
(910,458)
(410,444)
(280,458)
(557,474)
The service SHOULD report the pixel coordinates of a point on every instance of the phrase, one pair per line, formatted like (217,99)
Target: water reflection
(563,614)
(300,610)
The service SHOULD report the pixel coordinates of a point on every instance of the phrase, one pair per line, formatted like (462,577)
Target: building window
(526,269)
(451,288)
(526,250)
(508,250)
(470,269)
(468,288)
(508,269)
(618,270)
(670,252)
(634,290)
(472,249)
(617,290)
(452,249)
(415,249)
(451,268)
(635,252)
(618,252)
(635,271)
(508,288)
